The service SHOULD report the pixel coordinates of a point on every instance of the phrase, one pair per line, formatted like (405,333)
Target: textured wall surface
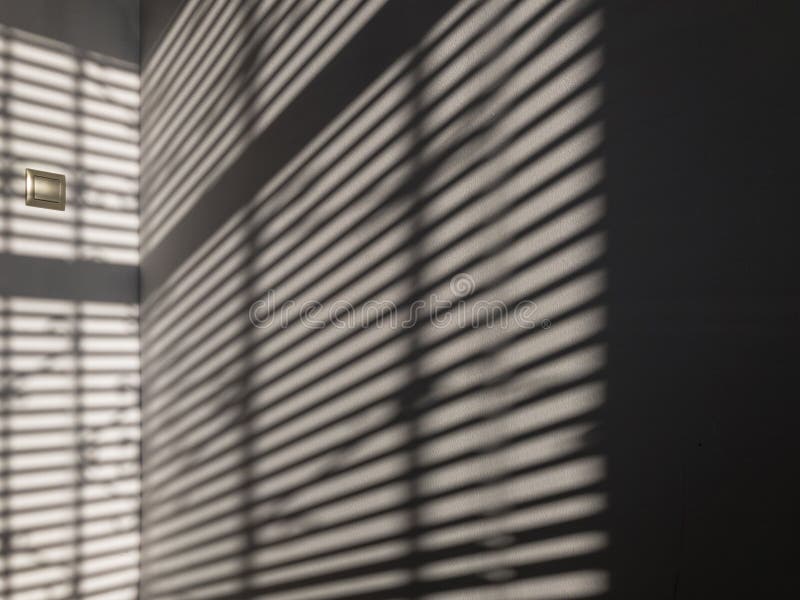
(407,170)
(440,299)
(69,356)
(332,190)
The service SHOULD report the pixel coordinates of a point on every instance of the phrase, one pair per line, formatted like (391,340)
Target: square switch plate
(45,190)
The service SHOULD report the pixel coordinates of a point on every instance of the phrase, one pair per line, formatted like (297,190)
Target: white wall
(377,152)
(69,364)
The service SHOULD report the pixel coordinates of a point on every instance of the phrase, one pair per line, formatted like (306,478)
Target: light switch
(45,190)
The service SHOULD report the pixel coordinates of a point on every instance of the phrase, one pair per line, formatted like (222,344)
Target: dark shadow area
(107,27)
(52,278)
(155,17)
(701,128)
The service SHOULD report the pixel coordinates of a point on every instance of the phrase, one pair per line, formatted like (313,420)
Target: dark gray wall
(156,16)
(701,118)
(640,445)
(109,27)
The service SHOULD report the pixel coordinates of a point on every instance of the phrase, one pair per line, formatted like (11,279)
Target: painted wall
(339,201)
(701,122)
(69,356)
(373,316)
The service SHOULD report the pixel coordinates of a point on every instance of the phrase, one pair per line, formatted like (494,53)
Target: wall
(381,159)
(622,169)
(701,122)
(69,365)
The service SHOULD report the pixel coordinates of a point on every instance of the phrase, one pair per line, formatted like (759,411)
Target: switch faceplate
(45,190)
